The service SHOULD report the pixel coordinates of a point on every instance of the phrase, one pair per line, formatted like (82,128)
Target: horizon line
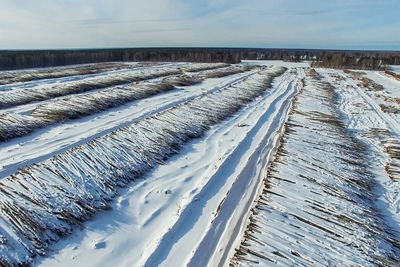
(195,47)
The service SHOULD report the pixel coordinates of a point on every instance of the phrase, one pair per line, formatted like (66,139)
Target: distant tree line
(358,60)
(320,58)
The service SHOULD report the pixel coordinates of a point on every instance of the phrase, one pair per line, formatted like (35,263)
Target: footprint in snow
(123,203)
(99,244)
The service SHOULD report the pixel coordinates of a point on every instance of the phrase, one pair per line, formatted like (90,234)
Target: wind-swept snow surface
(198,164)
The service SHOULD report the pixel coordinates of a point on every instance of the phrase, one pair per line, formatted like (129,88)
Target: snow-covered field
(395,69)
(199,164)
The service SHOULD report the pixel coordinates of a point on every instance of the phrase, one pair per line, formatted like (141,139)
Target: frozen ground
(230,165)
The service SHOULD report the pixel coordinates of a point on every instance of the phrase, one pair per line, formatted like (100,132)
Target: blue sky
(336,24)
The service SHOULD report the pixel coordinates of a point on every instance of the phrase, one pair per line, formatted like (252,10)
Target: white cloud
(124,23)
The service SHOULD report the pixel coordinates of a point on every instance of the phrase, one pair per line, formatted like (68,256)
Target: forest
(21,59)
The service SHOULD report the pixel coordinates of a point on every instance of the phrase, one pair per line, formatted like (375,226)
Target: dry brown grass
(366,82)
(363,81)
(388,109)
(303,83)
(394,75)
(369,84)
(313,74)
(392,167)
(393,150)
(355,74)
(393,171)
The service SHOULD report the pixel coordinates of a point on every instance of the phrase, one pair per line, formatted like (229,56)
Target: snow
(395,68)
(21,96)
(56,139)
(81,180)
(286,64)
(196,180)
(390,84)
(219,243)
(174,178)
(315,207)
(364,117)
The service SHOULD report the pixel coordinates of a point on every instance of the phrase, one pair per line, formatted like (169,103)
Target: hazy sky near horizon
(339,24)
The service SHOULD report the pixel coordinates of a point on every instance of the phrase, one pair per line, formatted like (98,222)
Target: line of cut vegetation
(24,96)
(75,107)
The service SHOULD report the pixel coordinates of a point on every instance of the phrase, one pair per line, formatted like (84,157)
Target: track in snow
(146,213)
(68,188)
(250,157)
